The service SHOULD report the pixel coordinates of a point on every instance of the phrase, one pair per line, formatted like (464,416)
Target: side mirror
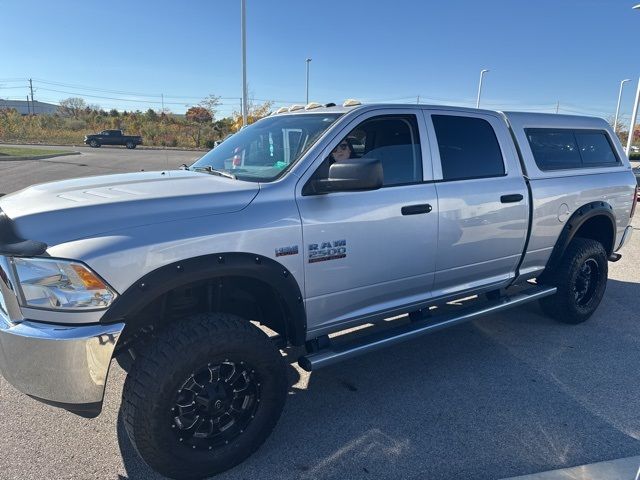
(354,174)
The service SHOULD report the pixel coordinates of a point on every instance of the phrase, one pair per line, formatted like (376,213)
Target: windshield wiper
(213,171)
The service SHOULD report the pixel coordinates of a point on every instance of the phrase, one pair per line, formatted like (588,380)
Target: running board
(336,353)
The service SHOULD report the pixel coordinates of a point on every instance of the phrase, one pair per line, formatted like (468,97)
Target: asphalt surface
(508,395)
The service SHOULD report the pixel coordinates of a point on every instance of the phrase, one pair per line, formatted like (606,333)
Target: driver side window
(391,139)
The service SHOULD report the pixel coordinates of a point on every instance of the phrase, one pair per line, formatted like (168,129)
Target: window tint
(392,139)
(468,147)
(555,149)
(595,149)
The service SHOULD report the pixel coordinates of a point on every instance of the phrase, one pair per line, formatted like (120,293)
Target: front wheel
(94,143)
(204,395)
(581,280)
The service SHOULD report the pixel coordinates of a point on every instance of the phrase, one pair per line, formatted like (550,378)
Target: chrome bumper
(59,365)
(626,236)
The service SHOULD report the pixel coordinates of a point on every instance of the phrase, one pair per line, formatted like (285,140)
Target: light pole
(634,115)
(243,13)
(308,60)
(482,72)
(615,120)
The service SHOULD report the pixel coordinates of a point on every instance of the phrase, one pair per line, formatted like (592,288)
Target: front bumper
(66,366)
(60,365)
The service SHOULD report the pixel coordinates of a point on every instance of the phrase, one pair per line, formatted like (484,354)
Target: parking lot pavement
(18,174)
(508,395)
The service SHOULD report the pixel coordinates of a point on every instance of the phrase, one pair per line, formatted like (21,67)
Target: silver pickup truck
(309,222)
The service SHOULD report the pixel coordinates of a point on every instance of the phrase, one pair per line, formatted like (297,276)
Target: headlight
(61,285)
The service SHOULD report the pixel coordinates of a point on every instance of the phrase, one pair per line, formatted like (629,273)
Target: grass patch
(29,152)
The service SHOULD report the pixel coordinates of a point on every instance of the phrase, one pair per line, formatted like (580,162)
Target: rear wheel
(130,145)
(204,395)
(581,280)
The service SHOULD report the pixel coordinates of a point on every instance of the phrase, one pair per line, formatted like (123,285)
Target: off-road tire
(159,372)
(567,306)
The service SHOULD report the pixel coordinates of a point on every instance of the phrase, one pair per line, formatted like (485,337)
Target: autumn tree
(254,113)
(198,117)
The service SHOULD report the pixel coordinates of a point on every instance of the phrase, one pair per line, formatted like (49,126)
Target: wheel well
(246,297)
(598,228)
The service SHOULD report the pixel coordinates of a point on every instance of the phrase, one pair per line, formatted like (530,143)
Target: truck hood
(68,210)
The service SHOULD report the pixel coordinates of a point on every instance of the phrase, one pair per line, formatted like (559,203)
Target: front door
(367,252)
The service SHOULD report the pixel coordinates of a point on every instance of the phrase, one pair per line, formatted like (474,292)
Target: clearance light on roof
(350,102)
(293,108)
(282,110)
(312,105)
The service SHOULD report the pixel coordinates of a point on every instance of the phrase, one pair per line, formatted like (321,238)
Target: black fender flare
(174,275)
(572,226)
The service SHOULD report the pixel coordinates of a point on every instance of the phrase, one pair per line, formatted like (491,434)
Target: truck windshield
(263,151)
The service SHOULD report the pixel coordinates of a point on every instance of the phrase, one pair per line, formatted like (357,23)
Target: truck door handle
(416,209)
(513,198)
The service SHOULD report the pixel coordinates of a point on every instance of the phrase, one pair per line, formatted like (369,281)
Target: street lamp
(482,72)
(308,60)
(615,121)
(243,14)
(634,115)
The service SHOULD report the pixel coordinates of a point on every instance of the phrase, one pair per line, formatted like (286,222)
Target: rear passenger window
(559,149)
(468,147)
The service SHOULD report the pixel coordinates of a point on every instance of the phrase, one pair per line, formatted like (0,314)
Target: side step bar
(376,341)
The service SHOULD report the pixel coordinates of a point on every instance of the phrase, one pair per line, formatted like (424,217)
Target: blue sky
(539,52)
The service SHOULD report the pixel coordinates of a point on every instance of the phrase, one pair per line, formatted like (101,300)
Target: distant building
(23,107)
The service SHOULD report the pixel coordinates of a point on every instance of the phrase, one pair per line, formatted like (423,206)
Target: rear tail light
(635,201)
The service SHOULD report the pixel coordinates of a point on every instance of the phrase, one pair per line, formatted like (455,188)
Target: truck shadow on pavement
(507,395)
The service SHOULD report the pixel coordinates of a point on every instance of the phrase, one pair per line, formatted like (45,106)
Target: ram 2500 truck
(113,137)
(309,222)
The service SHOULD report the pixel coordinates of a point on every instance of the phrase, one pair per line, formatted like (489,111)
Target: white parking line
(621,469)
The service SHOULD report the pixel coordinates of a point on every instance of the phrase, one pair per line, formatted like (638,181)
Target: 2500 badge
(321,252)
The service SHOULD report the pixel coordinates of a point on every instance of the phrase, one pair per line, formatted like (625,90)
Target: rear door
(482,200)
(368,252)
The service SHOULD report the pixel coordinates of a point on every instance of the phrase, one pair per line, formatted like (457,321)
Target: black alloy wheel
(215,405)
(581,280)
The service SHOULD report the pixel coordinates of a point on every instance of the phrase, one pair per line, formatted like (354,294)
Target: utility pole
(33,106)
(28,108)
(418,99)
(162,96)
(243,13)
(557,106)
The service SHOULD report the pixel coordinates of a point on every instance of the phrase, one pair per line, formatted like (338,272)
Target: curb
(36,157)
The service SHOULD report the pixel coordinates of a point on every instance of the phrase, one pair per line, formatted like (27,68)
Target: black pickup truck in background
(112,137)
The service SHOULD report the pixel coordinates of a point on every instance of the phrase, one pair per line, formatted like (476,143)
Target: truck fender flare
(174,275)
(579,217)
